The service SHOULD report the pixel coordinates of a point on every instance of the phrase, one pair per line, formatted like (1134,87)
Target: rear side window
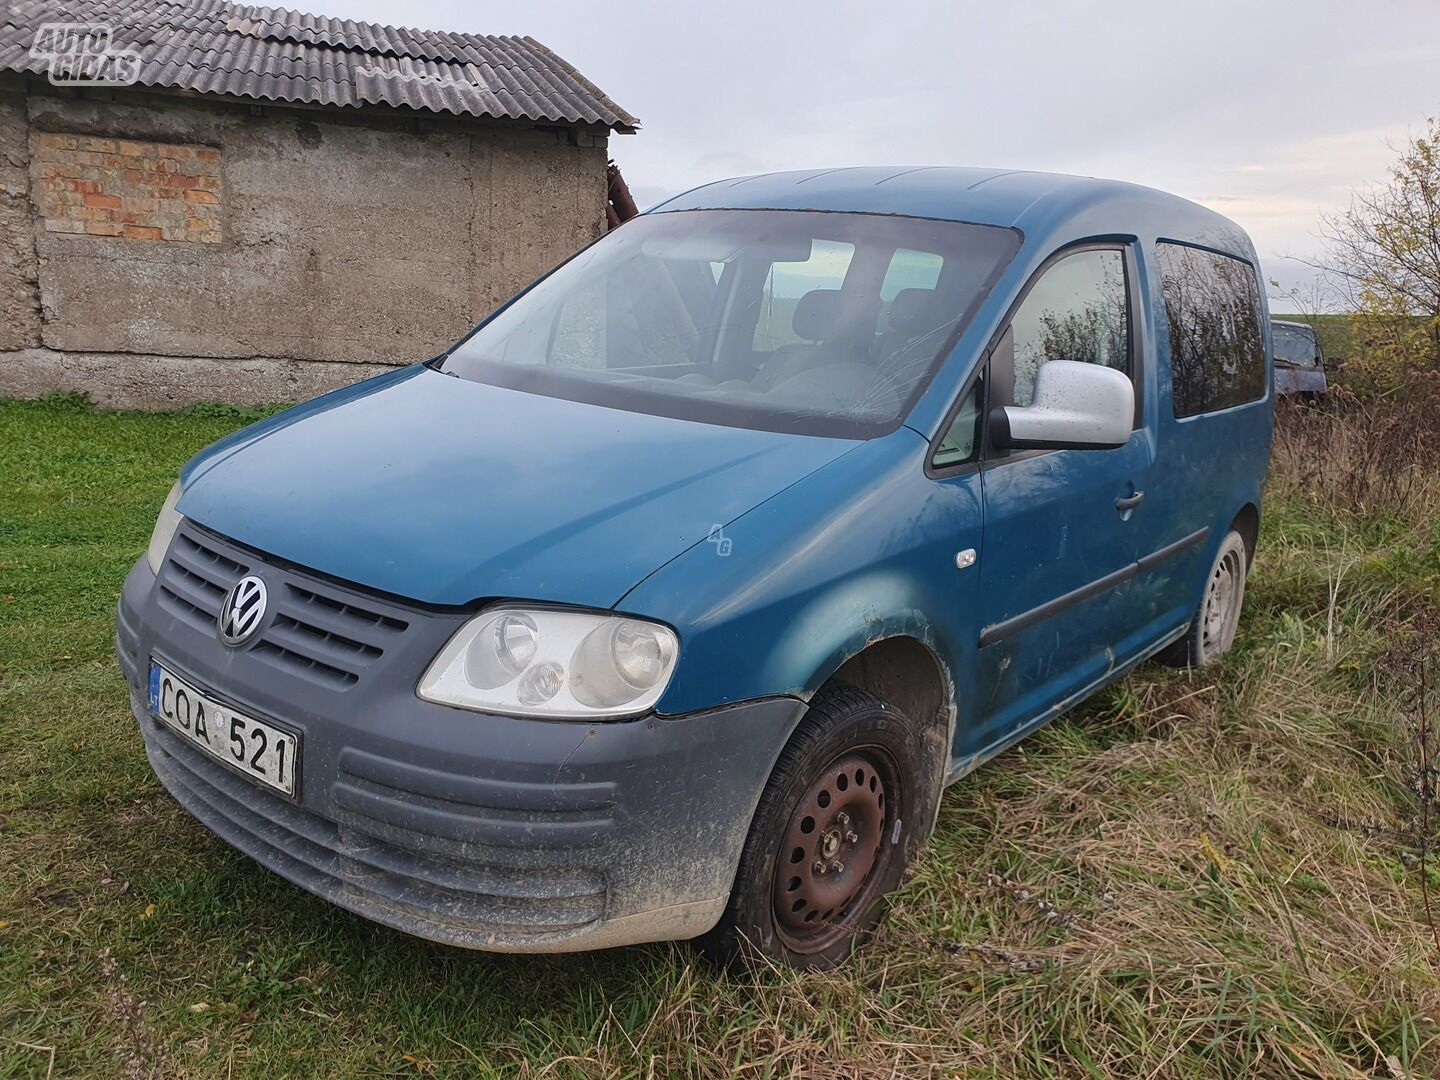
(1217,345)
(785,284)
(911,269)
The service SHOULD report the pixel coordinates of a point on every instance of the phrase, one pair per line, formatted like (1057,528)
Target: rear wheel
(830,838)
(1212,631)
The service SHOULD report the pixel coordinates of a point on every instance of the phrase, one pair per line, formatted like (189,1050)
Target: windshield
(802,321)
(1295,345)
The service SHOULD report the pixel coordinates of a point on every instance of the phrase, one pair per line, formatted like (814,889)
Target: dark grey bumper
(483,831)
(1299,380)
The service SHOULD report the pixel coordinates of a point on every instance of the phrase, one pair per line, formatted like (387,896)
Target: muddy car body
(668,602)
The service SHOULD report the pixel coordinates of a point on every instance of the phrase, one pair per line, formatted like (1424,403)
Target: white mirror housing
(1076,407)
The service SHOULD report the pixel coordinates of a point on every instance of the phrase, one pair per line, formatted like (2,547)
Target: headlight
(165,526)
(534,662)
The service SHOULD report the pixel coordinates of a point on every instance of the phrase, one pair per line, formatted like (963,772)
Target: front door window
(1077,310)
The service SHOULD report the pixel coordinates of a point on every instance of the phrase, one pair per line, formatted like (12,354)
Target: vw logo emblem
(242,611)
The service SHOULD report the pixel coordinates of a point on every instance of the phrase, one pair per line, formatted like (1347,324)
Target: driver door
(1055,601)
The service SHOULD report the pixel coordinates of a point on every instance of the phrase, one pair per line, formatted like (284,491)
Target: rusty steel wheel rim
(834,851)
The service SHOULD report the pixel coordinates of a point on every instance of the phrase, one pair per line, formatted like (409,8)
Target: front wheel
(1212,631)
(830,836)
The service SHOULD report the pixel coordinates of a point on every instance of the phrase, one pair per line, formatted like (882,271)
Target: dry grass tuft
(1364,457)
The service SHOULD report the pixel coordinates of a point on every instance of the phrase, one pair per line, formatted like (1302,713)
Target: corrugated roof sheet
(274,54)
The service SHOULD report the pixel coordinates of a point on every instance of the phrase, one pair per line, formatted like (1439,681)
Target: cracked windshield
(817,323)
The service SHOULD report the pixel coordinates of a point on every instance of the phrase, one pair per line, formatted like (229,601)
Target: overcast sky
(1271,113)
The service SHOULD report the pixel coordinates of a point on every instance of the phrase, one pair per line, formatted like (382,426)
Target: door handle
(1129,502)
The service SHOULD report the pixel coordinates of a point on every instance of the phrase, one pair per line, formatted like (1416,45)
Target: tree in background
(1384,257)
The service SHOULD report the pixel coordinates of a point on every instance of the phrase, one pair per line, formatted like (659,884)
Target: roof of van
(1032,202)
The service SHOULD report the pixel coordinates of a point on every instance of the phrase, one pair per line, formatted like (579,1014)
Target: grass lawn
(1197,874)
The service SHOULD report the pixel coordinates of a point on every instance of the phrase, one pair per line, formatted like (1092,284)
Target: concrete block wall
(336,245)
(19,284)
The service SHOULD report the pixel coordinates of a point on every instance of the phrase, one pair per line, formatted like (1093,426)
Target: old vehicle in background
(1299,361)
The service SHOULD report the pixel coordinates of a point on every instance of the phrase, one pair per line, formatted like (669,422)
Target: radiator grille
(321,632)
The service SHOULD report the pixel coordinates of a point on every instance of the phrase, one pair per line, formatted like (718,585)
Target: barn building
(210,201)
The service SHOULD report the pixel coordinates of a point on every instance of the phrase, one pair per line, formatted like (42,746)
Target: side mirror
(1076,407)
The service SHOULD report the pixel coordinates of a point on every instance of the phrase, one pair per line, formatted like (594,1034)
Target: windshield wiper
(435,361)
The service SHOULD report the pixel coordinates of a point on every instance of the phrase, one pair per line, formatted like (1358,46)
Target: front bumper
(1299,380)
(488,832)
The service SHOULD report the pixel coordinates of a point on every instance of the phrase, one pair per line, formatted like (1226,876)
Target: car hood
(447,491)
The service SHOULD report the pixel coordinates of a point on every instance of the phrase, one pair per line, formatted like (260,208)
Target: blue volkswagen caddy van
(666,604)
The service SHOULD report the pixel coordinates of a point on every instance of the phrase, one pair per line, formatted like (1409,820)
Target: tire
(1212,631)
(831,838)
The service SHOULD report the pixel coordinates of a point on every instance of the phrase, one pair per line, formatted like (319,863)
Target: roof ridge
(318,24)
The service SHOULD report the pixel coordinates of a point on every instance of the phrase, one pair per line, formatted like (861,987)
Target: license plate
(257,749)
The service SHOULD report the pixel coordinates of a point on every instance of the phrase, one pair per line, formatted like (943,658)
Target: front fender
(842,622)
(861,550)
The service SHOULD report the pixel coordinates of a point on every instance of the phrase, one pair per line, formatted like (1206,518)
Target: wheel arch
(1247,524)
(905,669)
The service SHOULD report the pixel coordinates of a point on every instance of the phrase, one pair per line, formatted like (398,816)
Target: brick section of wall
(122,187)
